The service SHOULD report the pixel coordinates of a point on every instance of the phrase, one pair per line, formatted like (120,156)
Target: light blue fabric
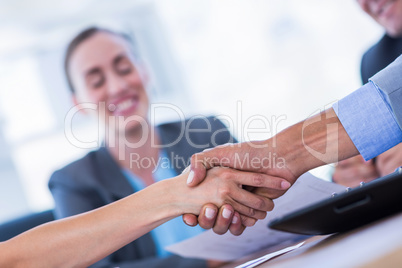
(389,81)
(369,120)
(174,230)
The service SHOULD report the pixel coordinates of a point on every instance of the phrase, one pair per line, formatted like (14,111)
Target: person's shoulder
(386,48)
(374,49)
(378,56)
(78,169)
(206,130)
(195,121)
(84,161)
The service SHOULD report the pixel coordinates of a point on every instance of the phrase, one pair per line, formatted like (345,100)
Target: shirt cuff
(368,121)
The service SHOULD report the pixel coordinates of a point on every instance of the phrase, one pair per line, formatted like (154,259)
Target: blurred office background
(282,59)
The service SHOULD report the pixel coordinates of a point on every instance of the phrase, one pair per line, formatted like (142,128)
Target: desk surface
(375,245)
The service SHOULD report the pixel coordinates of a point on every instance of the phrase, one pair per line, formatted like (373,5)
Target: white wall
(281,60)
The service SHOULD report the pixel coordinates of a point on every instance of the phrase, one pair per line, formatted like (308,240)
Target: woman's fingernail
(285,185)
(186,170)
(235,219)
(226,213)
(209,213)
(190,177)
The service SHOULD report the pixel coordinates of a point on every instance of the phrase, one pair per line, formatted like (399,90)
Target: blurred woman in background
(102,69)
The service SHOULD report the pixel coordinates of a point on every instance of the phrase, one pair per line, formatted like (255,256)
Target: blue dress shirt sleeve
(372,115)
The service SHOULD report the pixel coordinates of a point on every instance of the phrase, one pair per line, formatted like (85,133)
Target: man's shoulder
(387,48)
(379,56)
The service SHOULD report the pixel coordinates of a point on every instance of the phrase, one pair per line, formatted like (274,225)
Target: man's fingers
(207,217)
(268,193)
(190,219)
(247,221)
(236,227)
(248,203)
(258,214)
(259,180)
(224,219)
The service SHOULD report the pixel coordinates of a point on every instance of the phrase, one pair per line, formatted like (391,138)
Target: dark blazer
(24,223)
(96,180)
(380,56)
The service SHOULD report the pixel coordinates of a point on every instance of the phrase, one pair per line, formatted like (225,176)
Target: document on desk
(307,190)
(267,257)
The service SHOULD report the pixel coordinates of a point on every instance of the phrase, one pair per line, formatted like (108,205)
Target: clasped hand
(249,197)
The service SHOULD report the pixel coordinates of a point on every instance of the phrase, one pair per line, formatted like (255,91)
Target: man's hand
(220,220)
(319,140)
(258,157)
(390,160)
(224,219)
(350,172)
(255,193)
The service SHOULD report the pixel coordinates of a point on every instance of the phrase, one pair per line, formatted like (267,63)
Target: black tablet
(345,211)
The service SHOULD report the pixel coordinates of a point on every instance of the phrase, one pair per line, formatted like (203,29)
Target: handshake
(261,171)
(229,187)
(246,186)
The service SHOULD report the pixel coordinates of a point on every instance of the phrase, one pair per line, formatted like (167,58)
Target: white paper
(208,245)
(258,261)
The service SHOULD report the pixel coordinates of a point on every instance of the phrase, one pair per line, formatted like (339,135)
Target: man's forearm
(316,141)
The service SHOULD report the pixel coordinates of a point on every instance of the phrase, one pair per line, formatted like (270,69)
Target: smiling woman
(102,70)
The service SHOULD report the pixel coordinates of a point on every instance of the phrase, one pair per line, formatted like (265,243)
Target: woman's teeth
(124,105)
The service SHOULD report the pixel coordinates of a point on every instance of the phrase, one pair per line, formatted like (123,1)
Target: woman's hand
(229,190)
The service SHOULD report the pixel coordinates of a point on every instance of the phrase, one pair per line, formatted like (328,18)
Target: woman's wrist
(175,194)
(184,199)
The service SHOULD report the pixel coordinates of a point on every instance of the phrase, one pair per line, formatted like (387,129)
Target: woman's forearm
(84,239)
(81,240)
